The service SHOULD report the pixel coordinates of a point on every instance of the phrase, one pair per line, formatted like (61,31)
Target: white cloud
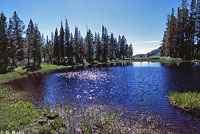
(143,50)
(144,47)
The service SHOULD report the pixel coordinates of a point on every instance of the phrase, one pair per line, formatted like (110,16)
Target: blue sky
(141,21)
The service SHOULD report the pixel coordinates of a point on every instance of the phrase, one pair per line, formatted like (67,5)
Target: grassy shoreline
(16,114)
(187,101)
(21,72)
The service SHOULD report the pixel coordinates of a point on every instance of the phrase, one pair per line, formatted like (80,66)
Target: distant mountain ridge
(155,52)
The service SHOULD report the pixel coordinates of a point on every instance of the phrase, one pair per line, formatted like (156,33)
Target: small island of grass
(187,101)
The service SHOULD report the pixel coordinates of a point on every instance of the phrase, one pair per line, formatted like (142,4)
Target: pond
(138,86)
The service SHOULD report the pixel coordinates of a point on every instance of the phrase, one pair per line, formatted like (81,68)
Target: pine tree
(180,32)
(163,45)
(123,44)
(89,46)
(197,52)
(38,47)
(184,24)
(130,51)
(126,50)
(172,36)
(56,52)
(18,28)
(30,42)
(98,47)
(76,45)
(115,48)
(49,50)
(192,28)
(118,48)
(81,48)
(11,46)
(112,44)
(62,45)
(3,44)
(70,50)
(43,49)
(181,37)
(34,48)
(105,43)
(67,41)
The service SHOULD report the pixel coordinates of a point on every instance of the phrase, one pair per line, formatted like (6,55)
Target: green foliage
(62,48)
(181,38)
(58,123)
(3,44)
(56,50)
(187,99)
(62,45)
(16,114)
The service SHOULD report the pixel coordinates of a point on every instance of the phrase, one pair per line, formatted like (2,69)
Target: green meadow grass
(21,71)
(14,115)
(190,100)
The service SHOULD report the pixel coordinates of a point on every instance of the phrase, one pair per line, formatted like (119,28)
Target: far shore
(21,72)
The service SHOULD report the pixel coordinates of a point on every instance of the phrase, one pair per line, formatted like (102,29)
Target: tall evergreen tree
(62,45)
(115,48)
(172,36)
(112,45)
(192,28)
(3,44)
(130,51)
(49,50)
(43,49)
(81,48)
(11,46)
(30,42)
(67,41)
(105,41)
(37,46)
(18,28)
(123,44)
(180,38)
(118,48)
(197,52)
(184,24)
(98,47)
(56,51)
(70,50)
(89,46)
(163,47)
(76,45)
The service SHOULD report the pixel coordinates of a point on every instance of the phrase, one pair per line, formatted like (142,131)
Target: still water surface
(142,87)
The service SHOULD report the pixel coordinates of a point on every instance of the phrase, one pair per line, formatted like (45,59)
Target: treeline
(66,48)
(20,47)
(182,36)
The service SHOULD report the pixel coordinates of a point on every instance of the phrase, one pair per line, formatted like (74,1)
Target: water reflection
(138,86)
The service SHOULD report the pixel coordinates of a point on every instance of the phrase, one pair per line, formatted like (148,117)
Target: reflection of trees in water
(33,85)
(182,77)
